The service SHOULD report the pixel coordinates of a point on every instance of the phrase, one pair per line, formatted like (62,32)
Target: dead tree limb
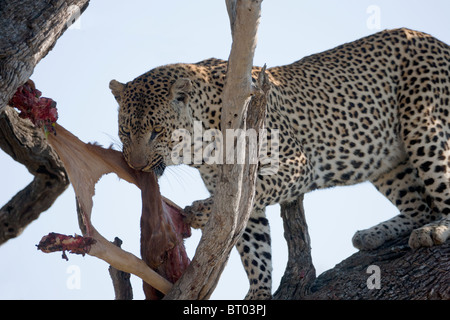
(235,189)
(121,280)
(20,139)
(300,272)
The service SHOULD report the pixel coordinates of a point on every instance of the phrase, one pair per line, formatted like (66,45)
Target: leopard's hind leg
(431,157)
(403,187)
(424,115)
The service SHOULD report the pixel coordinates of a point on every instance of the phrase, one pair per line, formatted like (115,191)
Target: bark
(235,190)
(20,139)
(28,31)
(300,272)
(121,280)
(404,273)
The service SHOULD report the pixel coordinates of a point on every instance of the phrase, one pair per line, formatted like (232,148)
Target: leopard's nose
(137,161)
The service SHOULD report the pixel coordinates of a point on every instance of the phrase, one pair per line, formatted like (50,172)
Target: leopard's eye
(156,130)
(181,97)
(124,132)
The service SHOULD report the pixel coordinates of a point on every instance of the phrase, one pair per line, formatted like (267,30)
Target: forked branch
(234,192)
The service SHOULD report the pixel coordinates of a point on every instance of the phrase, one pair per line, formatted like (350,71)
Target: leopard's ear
(180,91)
(117,89)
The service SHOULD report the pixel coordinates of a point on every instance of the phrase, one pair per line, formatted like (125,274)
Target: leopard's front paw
(434,233)
(197,214)
(368,239)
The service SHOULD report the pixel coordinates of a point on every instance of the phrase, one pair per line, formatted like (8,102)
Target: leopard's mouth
(159,168)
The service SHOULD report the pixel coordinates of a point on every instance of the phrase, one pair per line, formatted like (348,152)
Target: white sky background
(123,39)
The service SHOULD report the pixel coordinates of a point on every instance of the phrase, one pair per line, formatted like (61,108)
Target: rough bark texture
(405,274)
(300,272)
(235,190)
(28,31)
(121,280)
(20,139)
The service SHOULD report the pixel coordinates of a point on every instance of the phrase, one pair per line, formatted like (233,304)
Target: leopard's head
(151,108)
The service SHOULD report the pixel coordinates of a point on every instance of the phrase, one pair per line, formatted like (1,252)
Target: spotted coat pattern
(376,110)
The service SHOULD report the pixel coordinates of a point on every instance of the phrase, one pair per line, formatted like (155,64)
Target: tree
(30,29)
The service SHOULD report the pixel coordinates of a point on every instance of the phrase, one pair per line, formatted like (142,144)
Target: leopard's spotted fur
(376,109)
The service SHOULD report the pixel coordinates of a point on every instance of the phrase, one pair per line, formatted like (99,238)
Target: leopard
(375,109)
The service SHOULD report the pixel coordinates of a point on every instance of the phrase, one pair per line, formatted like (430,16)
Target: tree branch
(20,139)
(28,31)
(120,279)
(404,274)
(300,272)
(234,192)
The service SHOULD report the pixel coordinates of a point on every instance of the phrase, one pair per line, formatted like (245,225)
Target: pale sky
(123,39)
